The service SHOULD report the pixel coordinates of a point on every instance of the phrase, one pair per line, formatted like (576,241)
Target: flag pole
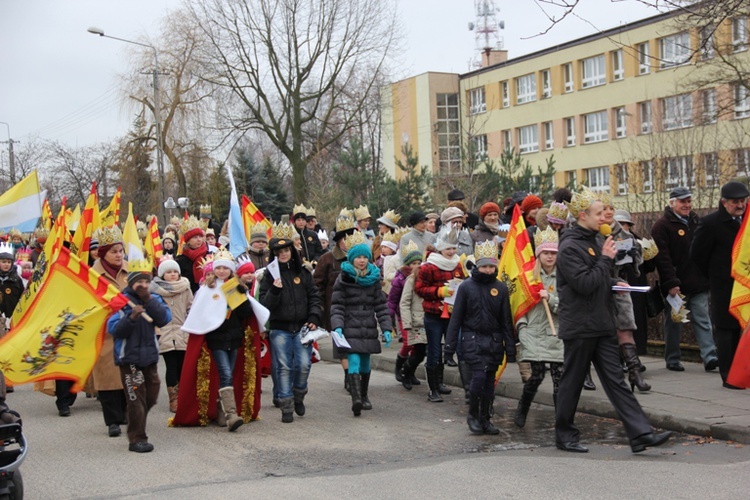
(143,314)
(549,317)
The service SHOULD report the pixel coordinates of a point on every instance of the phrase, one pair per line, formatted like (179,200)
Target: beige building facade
(635,111)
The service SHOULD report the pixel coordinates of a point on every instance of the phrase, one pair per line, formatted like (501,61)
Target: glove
(449,360)
(621,254)
(339,331)
(633,252)
(444,291)
(387,338)
(242,288)
(511,359)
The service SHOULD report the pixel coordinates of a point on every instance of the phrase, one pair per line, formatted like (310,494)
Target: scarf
(483,278)
(165,288)
(111,270)
(493,227)
(368,277)
(405,270)
(195,255)
(443,263)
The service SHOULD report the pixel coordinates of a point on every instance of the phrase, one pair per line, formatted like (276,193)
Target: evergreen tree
(262,182)
(132,168)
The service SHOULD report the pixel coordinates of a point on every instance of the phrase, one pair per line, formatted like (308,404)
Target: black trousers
(604,353)
(726,340)
(65,398)
(113,406)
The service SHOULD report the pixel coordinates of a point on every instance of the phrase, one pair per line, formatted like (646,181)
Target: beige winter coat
(106,374)
(412,313)
(178,297)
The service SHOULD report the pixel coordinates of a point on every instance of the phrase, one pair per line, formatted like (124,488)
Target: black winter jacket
(584,285)
(296,303)
(11,289)
(711,252)
(673,261)
(482,316)
(358,310)
(230,334)
(135,341)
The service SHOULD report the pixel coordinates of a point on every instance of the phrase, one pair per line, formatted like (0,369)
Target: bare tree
(291,65)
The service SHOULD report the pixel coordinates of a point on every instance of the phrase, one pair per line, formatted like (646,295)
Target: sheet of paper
(314,335)
(453,285)
(642,289)
(273,268)
(675,302)
(626,245)
(233,296)
(340,340)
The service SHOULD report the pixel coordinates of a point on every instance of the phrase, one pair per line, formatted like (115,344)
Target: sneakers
(142,447)
(64,412)
(711,364)
(114,430)
(676,367)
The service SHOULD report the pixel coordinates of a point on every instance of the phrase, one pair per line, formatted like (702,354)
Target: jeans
(225,365)
(292,362)
(435,327)
(697,304)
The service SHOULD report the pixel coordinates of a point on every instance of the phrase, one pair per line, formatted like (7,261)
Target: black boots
(523,405)
(287,410)
(630,357)
(407,373)
(299,401)
(346,380)
(442,388)
(433,381)
(399,368)
(355,389)
(588,384)
(366,405)
(485,413)
(465,371)
(474,419)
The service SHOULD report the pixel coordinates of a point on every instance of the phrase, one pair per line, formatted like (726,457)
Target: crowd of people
(222,322)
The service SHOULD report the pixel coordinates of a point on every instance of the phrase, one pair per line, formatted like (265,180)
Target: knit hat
(416,218)
(412,256)
(456,195)
(450,213)
(167,265)
(138,275)
(487,208)
(389,244)
(530,203)
(358,251)
(196,231)
(244,265)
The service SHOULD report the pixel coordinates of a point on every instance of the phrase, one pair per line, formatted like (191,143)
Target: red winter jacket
(429,280)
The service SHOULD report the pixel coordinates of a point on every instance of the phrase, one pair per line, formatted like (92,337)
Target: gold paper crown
(15,233)
(223,254)
(361,212)
(139,266)
(206,261)
(582,201)
(409,248)
(355,238)
(650,250)
(170,235)
(108,235)
(41,232)
(282,230)
(299,209)
(393,237)
(486,250)
(258,228)
(210,231)
(391,217)
(606,199)
(205,210)
(23,254)
(345,212)
(558,211)
(150,217)
(141,228)
(549,235)
(191,222)
(310,212)
(344,221)
(174,220)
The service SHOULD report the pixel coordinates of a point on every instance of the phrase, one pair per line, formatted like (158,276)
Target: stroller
(12,449)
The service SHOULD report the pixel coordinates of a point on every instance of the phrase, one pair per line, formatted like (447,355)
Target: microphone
(605,230)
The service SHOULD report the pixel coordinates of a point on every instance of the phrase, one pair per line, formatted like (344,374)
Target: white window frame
(739,34)
(678,171)
(674,50)
(707,40)
(506,94)
(741,101)
(595,127)
(646,117)
(570,131)
(546,84)
(597,179)
(549,138)
(571,177)
(618,66)
(677,112)
(742,160)
(711,167)
(507,140)
(568,77)
(647,170)
(621,129)
(479,143)
(644,58)
(593,71)
(622,179)
(448,136)
(526,88)
(477,101)
(709,107)
(528,139)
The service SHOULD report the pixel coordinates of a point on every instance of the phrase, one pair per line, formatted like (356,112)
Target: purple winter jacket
(397,288)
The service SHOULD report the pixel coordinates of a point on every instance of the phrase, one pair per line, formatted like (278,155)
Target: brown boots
(173,391)
(229,408)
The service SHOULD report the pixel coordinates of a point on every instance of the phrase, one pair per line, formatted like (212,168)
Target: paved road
(405,447)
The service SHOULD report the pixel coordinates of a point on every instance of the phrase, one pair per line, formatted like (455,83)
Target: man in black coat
(673,233)
(311,247)
(584,283)
(712,253)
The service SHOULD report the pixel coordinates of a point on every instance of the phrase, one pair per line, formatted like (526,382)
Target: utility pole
(12,158)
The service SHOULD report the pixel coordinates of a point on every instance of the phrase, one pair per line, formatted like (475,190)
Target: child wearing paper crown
(358,306)
(175,290)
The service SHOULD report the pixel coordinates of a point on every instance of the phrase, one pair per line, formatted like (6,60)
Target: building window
(647,172)
(708,47)
(507,141)
(477,103)
(644,58)
(742,157)
(572,179)
(679,172)
(620,126)
(674,50)
(622,179)
(570,132)
(739,33)
(568,77)
(479,146)
(711,167)
(534,182)
(644,109)
(506,94)
(597,178)
(677,112)
(593,72)
(741,101)
(449,147)
(546,84)
(595,127)
(549,140)
(709,109)
(618,68)
(528,139)
(526,88)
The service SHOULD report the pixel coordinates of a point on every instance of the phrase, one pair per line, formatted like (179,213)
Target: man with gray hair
(712,253)
(673,233)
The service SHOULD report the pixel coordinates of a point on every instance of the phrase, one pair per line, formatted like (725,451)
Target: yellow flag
(130,233)
(110,216)
(61,333)
(739,304)
(88,223)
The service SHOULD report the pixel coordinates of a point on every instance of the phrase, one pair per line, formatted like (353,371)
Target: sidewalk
(692,401)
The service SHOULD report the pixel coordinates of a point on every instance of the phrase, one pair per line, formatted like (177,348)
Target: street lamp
(157,111)
(12,163)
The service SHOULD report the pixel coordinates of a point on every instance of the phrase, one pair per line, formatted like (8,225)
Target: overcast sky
(57,81)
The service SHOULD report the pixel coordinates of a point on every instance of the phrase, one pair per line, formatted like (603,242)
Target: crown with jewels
(223,254)
(361,212)
(355,238)
(486,250)
(345,220)
(549,235)
(390,218)
(581,201)
(191,222)
(558,213)
(23,254)
(282,230)
(409,248)
(606,199)
(108,235)
(205,211)
(650,250)
(299,209)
